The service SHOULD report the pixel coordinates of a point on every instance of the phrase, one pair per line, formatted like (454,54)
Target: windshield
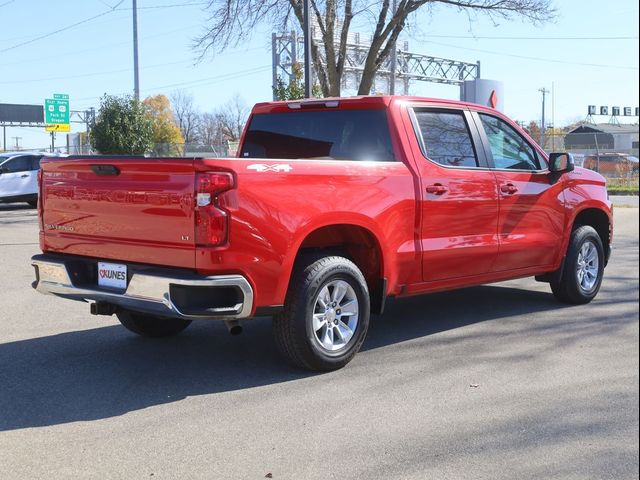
(327,134)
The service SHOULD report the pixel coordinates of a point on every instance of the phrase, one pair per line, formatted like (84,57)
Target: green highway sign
(56,109)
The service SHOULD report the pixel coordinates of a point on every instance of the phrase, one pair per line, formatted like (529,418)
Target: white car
(19,177)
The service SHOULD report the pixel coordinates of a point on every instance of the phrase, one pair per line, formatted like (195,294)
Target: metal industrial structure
(32,116)
(287,51)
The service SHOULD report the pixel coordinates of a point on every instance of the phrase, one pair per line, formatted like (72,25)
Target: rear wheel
(326,314)
(151,326)
(583,268)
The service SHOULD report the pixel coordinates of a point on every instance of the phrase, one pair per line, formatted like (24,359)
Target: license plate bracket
(112,275)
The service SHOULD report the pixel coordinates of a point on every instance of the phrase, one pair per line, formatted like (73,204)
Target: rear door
(15,177)
(459,203)
(531,221)
(127,209)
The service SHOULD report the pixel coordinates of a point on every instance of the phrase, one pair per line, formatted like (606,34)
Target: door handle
(24,176)
(509,189)
(437,189)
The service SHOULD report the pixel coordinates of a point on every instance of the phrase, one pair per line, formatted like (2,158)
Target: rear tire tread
(289,339)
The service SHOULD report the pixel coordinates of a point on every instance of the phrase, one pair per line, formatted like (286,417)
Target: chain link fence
(613,155)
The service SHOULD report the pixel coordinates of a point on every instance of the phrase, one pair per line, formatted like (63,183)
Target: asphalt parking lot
(493,382)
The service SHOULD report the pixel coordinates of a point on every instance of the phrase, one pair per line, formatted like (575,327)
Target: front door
(531,220)
(459,196)
(15,179)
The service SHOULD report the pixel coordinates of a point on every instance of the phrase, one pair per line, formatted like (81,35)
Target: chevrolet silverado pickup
(330,207)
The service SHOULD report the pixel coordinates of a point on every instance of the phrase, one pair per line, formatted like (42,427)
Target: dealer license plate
(112,275)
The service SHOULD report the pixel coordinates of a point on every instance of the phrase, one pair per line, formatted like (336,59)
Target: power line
(215,79)
(476,37)
(154,7)
(98,47)
(539,59)
(93,74)
(199,82)
(89,19)
(63,29)
(6,3)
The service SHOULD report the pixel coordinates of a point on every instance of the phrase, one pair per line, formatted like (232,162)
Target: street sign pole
(53,141)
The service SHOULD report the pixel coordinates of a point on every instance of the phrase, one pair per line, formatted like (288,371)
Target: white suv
(19,177)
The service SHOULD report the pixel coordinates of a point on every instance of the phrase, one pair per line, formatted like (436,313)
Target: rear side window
(509,149)
(35,163)
(446,138)
(20,164)
(328,134)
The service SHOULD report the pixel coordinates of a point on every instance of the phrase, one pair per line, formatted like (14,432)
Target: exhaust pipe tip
(234,327)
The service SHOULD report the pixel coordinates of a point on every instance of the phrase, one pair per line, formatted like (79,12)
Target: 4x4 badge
(279,167)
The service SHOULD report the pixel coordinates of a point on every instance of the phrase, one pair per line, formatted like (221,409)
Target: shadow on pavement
(105,372)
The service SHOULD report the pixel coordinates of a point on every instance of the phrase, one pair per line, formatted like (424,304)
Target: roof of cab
(358,102)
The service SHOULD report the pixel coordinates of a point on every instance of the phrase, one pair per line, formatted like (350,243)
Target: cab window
(446,138)
(509,149)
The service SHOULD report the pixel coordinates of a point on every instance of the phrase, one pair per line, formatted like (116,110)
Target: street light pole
(136,78)
(307,49)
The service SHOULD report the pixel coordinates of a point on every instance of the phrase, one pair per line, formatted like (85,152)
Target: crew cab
(330,207)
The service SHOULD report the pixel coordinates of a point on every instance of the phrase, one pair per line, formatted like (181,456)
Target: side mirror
(561,162)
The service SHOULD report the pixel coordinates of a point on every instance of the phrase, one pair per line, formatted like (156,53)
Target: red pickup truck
(330,207)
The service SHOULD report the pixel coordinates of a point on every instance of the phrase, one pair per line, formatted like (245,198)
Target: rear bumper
(163,293)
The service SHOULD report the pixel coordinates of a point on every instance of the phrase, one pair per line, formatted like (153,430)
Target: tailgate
(128,209)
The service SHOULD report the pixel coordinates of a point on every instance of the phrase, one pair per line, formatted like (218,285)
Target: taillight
(212,221)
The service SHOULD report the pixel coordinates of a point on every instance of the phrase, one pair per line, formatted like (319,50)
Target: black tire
(151,326)
(293,330)
(567,288)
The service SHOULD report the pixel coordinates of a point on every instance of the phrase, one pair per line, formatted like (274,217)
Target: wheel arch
(600,220)
(357,240)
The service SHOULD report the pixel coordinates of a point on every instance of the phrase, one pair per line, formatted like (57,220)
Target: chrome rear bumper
(148,292)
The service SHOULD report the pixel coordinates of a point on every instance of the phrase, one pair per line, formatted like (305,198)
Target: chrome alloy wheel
(335,315)
(587,268)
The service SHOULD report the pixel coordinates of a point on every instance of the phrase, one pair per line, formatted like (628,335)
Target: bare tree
(186,114)
(232,117)
(209,132)
(232,21)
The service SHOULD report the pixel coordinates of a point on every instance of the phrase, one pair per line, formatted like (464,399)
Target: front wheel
(326,314)
(151,326)
(583,268)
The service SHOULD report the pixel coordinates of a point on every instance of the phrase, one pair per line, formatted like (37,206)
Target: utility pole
(307,49)
(136,77)
(553,116)
(543,127)
(394,58)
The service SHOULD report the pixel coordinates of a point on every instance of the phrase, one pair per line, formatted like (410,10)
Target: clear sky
(95,56)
